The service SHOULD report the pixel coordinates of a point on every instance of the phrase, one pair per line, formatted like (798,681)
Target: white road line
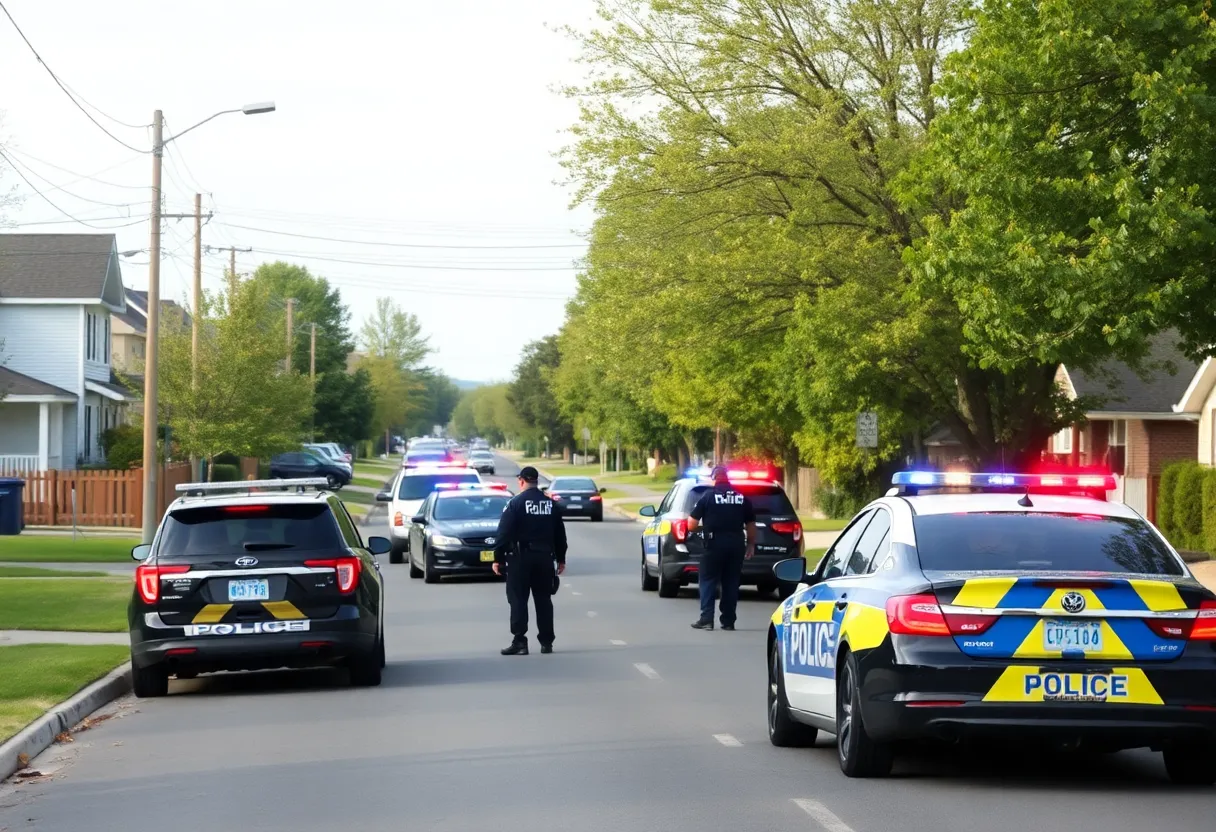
(728,740)
(616,642)
(648,671)
(592,614)
(576,593)
(822,815)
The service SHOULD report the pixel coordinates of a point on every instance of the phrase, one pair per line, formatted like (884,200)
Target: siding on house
(96,337)
(1207,430)
(43,342)
(1170,442)
(20,434)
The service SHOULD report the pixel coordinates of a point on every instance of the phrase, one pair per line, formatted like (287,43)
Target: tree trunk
(791,461)
(211,467)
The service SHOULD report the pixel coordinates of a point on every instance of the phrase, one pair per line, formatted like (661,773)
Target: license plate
(256,589)
(487,557)
(576,499)
(1060,635)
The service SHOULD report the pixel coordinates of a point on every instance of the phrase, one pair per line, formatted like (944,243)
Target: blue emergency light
(908,482)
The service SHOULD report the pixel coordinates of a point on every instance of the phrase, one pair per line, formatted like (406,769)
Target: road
(636,723)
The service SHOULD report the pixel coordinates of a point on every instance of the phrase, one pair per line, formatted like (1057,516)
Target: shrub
(263,470)
(227,459)
(223,472)
(1188,506)
(1165,499)
(663,473)
(1209,510)
(123,446)
(837,504)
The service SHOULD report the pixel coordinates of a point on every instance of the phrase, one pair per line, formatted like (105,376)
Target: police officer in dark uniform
(531,536)
(724,514)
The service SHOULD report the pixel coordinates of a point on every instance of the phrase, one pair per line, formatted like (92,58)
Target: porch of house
(32,435)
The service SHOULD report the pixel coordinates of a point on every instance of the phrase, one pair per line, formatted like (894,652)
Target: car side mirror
(544,489)
(141,551)
(603,490)
(791,570)
(379,545)
(418,520)
(384,497)
(647,511)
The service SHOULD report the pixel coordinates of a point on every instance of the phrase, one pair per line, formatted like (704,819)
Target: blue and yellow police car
(1001,606)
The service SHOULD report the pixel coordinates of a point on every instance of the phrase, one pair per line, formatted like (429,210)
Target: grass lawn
(810,524)
(616,493)
(639,478)
(39,676)
(372,481)
(95,605)
(560,469)
(632,508)
(375,471)
(54,548)
(357,509)
(349,497)
(35,572)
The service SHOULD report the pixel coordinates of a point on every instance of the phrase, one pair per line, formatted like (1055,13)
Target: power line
(12,161)
(421,266)
(93,219)
(79,176)
(397,245)
(45,198)
(432,228)
(63,87)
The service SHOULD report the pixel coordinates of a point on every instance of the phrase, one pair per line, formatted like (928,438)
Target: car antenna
(1024,502)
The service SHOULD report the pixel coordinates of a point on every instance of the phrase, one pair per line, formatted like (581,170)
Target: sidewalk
(1206,573)
(11,637)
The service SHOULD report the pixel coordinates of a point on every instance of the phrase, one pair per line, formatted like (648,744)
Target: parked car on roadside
(295,464)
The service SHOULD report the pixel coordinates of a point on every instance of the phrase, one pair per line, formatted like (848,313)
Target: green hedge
(1165,500)
(1186,506)
(1209,510)
(223,472)
(123,445)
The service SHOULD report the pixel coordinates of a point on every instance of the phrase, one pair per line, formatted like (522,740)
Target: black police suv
(578,497)
(453,532)
(671,554)
(248,581)
(307,464)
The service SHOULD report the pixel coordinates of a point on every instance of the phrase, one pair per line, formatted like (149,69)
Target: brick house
(1143,423)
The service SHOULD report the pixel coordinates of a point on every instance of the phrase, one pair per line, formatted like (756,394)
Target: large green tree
(435,401)
(394,346)
(530,393)
(1078,150)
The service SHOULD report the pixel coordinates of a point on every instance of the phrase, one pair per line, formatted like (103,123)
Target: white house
(57,389)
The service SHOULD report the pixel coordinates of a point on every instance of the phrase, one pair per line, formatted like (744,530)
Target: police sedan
(1003,606)
(453,531)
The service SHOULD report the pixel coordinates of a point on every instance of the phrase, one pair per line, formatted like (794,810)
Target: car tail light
(679,530)
(1171,628)
(348,570)
(147,580)
(916,615)
(398,519)
(596,498)
(968,624)
(788,527)
(557,498)
(245,509)
(1204,628)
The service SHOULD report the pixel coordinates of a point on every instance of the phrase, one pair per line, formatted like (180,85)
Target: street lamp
(152,351)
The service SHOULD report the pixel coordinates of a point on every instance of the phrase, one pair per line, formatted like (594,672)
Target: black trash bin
(12,519)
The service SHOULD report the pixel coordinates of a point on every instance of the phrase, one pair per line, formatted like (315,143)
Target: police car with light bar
(453,532)
(671,554)
(1003,606)
(256,575)
(406,493)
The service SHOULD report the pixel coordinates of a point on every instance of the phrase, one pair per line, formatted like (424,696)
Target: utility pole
(618,452)
(291,306)
(196,308)
(152,348)
(312,377)
(232,250)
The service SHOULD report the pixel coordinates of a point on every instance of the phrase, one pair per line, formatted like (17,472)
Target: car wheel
(150,681)
(649,582)
(1190,765)
(783,731)
(766,587)
(860,756)
(365,667)
(667,588)
(415,572)
(396,554)
(331,481)
(380,650)
(598,517)
(785,589)
(428,574)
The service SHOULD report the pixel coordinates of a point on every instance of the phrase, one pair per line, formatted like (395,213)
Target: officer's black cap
(528,474)
(718,474)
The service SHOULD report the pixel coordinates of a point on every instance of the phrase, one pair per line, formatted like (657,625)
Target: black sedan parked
(578,497)
(306,464)
(453,533)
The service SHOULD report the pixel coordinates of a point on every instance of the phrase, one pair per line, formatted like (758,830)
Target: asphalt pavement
(636,723)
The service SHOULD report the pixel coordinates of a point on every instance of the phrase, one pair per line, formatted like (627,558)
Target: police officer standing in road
(724,514)
(531,536)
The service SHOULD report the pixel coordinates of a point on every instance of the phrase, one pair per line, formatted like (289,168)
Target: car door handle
(842,603)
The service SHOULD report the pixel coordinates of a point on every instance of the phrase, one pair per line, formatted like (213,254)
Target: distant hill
(467,385)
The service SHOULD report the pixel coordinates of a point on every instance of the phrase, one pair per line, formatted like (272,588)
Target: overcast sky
(400,122)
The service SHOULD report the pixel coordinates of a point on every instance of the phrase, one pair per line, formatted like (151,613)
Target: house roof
(136,315)
(54,266)
(1167,373)
(13,383)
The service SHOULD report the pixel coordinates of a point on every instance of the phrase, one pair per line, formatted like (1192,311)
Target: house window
(88,336)
(1118,433)
(105,356)
(1116,453)
(1061,443)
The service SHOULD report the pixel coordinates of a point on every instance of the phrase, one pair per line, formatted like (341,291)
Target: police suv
(1005,606)
(256,575)
(406,494)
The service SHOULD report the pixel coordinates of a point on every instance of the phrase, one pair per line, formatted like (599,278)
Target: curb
(39,735)
(637,518)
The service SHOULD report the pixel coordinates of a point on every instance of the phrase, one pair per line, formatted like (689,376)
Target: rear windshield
(470,508)
(1040,542)
(236,530)
(767,500)
(573,484)
(417,487)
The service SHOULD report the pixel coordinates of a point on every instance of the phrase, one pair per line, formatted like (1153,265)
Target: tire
(396,554)
(859,755)
(667,589)
(415,572)
(649,582)
(331,482)
(783,731)
(380,651)
(365,667)
(785,590)
(149,682)
(1190,765)
(598,517)
(766,587)
(428,574)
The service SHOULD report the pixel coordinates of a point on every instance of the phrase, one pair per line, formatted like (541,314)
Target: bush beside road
(37,677)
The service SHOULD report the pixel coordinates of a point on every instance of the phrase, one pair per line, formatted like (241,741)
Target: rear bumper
(582,509)
(758,570)
(290,643)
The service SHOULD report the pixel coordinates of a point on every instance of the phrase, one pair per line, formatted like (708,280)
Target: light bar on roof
(246,485)
(471,486)
(981,481)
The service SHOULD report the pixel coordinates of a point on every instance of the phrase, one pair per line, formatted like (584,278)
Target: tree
(435,402)
(391,332)
(1078,151)
(244,403)
(531,393)
(394,391)
(346,406)
(486,412)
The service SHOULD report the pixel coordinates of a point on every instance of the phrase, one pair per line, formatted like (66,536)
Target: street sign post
(867,429)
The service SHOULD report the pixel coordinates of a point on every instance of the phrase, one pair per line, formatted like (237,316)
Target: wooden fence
(96,498)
